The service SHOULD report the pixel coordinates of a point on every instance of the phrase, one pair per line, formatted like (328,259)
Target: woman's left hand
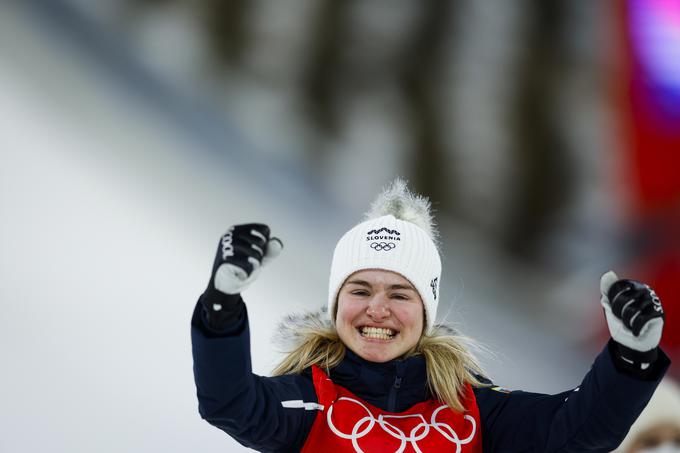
(634,313)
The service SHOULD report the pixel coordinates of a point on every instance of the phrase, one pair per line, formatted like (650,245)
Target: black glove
(635,318)
(241,253)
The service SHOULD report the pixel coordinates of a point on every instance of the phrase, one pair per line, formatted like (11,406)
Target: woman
(378,375)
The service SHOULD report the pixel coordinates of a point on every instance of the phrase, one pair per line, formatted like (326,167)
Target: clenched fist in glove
(241,253)
(635,318)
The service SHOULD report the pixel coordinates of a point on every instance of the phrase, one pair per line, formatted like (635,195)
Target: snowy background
(119,171)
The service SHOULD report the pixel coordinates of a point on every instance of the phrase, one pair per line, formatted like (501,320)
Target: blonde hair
(450,364)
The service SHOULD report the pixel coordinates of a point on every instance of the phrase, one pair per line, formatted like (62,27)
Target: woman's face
(380,315)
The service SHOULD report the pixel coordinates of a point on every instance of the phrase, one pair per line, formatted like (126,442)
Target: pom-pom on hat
(398,235)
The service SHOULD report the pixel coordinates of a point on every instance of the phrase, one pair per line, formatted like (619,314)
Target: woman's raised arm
(259,412)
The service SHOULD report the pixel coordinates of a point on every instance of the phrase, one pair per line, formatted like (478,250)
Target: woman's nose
(378,308)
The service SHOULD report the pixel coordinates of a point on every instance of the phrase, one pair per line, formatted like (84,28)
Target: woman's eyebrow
(368,285)
(359,282)
(402,287)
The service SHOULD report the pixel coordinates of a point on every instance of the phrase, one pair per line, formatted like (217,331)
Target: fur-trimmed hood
(289,332)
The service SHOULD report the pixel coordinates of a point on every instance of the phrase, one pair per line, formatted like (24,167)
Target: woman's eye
(400,296)
(359,293)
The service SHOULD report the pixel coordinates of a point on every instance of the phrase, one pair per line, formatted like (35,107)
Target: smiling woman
(379,316)
(375,373)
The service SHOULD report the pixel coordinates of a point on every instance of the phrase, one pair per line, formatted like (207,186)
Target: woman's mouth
(377,333)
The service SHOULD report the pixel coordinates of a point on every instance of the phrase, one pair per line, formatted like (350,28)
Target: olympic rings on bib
(365,425)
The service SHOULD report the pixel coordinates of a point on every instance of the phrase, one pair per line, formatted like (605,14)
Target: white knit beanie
(399,236)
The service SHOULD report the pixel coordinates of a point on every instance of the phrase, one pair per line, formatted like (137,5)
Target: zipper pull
(397,382)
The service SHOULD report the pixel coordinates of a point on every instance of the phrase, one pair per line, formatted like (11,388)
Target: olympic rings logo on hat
(380,246)
(365,425)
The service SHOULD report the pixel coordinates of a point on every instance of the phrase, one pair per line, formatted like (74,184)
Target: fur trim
(397,200)
(289,333)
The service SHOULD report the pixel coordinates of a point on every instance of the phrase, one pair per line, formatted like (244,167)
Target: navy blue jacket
(593,417)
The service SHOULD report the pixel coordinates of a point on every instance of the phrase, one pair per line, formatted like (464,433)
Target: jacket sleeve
(246,406)
(593,417)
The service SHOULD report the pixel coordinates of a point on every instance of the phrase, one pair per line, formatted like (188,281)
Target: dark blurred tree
(226,28)
(542,162)
(225,25)
(421,82)
(324,65)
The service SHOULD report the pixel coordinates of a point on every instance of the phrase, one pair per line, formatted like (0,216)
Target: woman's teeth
(378,333)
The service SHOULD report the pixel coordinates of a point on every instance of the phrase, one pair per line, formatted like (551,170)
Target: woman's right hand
(241,253)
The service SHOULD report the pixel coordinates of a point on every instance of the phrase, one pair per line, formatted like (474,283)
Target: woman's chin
(378,353)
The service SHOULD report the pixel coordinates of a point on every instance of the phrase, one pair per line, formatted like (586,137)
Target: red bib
(346,423)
